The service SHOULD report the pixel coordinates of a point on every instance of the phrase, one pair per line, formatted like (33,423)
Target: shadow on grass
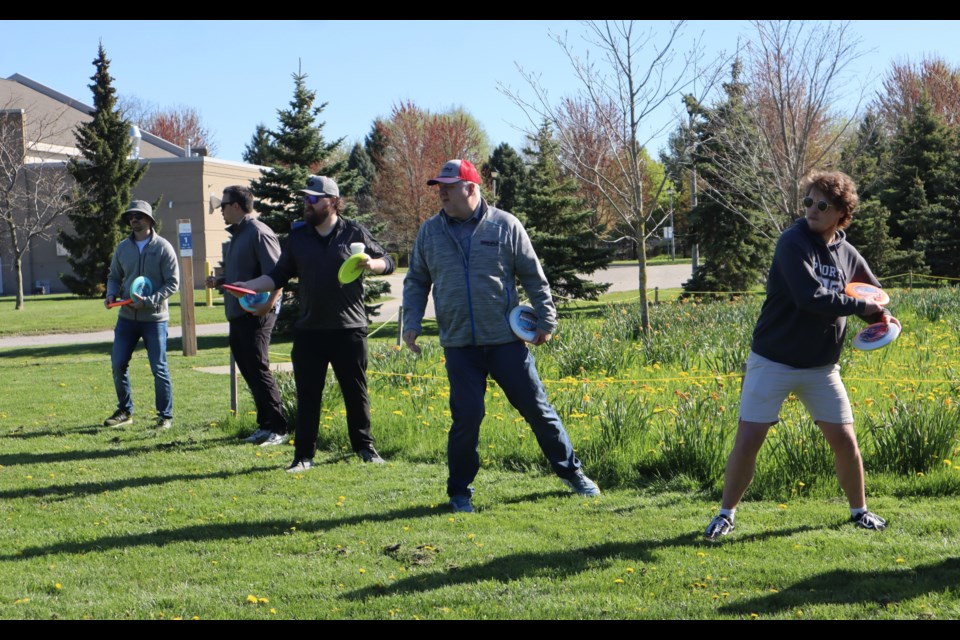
(850,587)
(224,531)
(63,350)
(555,564)
(11,459)
(80,489)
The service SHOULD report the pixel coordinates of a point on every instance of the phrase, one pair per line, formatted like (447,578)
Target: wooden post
(400,326)
(233,385)
(207,271)
(188,322)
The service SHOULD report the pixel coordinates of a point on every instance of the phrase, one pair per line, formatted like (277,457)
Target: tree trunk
(18,265)
(642,282)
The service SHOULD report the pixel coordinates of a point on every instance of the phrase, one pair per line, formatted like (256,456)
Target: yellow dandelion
(273,611)
(900,560)
(263,600)
(252,599)
(618,581)
(948,463)
(781,506)
(58,586)
(629,569)
(362,570)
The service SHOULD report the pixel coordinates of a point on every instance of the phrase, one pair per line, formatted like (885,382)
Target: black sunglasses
(223,205)
(136,216)
(314,199)
(823,205)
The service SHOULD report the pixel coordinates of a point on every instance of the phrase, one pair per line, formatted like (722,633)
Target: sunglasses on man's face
(224,205)
(823,205)
(314,199)
(136,216)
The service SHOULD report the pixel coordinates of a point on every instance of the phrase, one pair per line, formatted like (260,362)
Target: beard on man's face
(314,217)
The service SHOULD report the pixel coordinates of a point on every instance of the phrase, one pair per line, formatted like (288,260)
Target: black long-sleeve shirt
(315,260)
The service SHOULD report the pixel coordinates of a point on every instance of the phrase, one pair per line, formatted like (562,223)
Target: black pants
(250,344)
(346,350)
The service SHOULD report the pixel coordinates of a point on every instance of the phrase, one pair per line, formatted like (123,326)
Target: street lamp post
(673,231)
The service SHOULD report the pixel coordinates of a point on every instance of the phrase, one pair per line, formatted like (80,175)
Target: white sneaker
(274,438)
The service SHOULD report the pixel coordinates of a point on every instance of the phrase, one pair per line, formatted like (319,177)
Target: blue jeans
(512,366)
(126,335)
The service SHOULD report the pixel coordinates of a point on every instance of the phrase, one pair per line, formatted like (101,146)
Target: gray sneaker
(718,527)
(300,466)
(371,455)
(118,419)
(258,436)
(581,485)
(163,423)
(274,438)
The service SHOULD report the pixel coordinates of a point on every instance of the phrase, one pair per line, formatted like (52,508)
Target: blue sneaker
(461,504)
(581,485)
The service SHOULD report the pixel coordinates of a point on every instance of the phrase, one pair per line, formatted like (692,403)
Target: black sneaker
(869,520)
(719,526)
(163,423)
(118,419)
(371,455)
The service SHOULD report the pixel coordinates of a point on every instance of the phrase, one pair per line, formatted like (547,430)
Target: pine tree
(105,177)
(558,225)
(258,151)
(867,159)
(735,255)
(296,151)
(511,174)
(922,192)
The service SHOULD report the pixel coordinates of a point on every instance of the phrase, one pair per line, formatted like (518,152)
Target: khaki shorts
(767,384)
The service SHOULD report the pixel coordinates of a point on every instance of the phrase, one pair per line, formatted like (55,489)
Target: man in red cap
(472,254)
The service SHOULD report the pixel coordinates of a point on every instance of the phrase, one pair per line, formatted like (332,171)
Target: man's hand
(872,308)
(410,339)
(211,282)
(376,265)
(541,337)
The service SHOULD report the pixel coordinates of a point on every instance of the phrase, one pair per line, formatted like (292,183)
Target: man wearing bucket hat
(332,328)
(471,254)
(253,250)
(145,255)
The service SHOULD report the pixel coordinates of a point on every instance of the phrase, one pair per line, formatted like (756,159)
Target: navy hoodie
(803,320)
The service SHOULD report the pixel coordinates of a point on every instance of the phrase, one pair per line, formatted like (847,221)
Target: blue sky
(237,74)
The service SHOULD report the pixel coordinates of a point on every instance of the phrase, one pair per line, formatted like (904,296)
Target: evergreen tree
(511,174)
(558,225)
(867,159)
(735,255)
(258,150)
(359,162)
(296,151)
(923,192)
(105,177)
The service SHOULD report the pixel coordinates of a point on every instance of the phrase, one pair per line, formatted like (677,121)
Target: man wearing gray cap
(472,254)
(332,328)
(143,254)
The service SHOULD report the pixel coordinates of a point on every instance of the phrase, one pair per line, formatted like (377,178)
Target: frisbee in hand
(523,322)
(251,301)
(241,290)
(876,335)
(141,287)
(864,291)
(350,270)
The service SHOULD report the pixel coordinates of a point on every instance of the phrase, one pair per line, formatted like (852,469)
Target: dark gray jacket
(252,251)
(473,294)
(158,263)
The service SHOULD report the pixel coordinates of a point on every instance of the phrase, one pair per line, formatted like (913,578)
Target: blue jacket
(473,292)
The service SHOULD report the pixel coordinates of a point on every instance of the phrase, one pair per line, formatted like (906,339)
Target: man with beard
(332,328)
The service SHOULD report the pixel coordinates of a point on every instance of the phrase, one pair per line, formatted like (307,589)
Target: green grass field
(131,523)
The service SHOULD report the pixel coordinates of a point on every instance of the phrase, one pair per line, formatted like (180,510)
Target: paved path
(621,277)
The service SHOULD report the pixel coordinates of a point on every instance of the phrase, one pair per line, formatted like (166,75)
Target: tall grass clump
(912,437)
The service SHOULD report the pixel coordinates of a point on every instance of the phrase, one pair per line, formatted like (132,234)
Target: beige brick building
(188,184)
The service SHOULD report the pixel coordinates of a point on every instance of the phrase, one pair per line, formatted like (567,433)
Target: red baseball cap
(456,171)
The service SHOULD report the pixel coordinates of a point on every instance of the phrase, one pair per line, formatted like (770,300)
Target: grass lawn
(131,523)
